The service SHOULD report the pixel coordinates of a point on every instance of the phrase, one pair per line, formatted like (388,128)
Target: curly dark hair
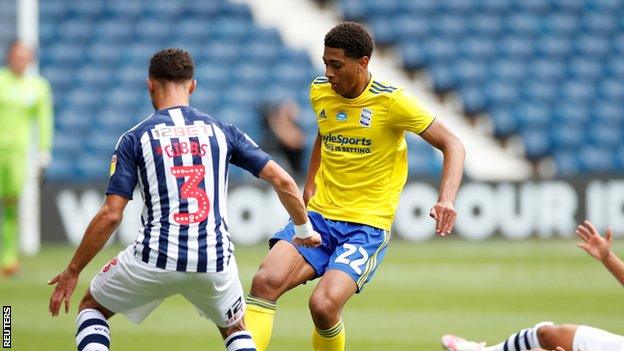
(172,65)
(353,38)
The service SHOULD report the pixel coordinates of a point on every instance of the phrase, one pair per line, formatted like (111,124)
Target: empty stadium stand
(548,71)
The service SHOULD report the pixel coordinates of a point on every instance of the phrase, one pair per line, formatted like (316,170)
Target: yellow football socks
(332,339)
(259,320)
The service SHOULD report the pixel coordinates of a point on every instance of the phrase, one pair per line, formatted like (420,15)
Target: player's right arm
(122,181)
(315,161)
(290,197)
(97,234)
(600,248)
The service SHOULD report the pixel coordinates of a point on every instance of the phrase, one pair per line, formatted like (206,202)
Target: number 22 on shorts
(356,265)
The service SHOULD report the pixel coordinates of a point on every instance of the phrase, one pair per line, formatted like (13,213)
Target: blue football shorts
(356,249)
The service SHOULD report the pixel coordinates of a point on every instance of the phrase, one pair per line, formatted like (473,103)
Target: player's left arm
(442,138)
(600,248)
(96,235)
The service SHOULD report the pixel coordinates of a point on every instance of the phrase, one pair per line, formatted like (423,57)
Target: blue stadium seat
(536,143)
(540,91)
(615,67)
(84,100)
(477,49)
(500,93)
(126,9)
(249,74)
(604,135)
(413,54)
(585,69)
(553,46)
(470,72)
(474,99)
(508,70)
(411,28)
(382,8)
(492,7)
(222,51)
(149,30)
(612,89)
(587,45)
(53,10)
(567,162)
(109,31)
(594,159)
(231,29)
(62,169)
(423,7)
(94,77)
(532,6)
(230,9)
(61,78)
(450,25)
(485,25)
(599,22)
(561,23)
(211,74)
(86,9)
(517,47)
(384,30)
(577,90)
(567,137)
(532,115)
(522,25)
(443,77)
(94,167)
(505,123)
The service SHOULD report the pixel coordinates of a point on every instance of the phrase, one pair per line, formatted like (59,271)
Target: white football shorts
(593,339)
(134,288)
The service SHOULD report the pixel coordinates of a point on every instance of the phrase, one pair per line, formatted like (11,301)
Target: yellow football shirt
(363,151)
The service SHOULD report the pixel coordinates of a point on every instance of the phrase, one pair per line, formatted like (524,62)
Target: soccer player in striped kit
(179,158)
(566,337)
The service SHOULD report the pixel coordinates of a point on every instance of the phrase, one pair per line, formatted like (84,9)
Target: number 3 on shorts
(356,265)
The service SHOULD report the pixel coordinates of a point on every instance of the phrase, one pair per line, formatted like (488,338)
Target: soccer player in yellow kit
(357,170)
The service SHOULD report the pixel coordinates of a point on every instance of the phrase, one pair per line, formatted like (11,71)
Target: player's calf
(240,340)
(93,333)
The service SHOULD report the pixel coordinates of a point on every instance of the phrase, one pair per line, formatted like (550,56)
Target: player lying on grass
(178,156)
(565,337)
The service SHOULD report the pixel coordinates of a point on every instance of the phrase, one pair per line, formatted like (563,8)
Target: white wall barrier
(546,209)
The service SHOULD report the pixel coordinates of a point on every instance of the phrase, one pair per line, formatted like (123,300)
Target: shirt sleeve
(123,168)
(246,153)
(408,113)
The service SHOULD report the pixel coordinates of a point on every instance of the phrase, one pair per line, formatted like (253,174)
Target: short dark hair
(172,65)
(353,38)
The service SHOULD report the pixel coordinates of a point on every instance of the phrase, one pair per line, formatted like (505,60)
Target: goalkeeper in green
(24,100)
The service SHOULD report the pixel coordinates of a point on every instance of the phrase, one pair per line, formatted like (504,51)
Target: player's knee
(88,302)
(323,306)
(548,336)
(267,285)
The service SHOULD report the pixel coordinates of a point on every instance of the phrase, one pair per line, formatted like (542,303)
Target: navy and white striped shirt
(179,157)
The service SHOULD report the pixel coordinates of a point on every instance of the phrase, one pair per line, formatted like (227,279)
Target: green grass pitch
(482,290)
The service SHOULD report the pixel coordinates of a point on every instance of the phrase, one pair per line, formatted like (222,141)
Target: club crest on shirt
(341,116)
(366,117)
(113,165)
